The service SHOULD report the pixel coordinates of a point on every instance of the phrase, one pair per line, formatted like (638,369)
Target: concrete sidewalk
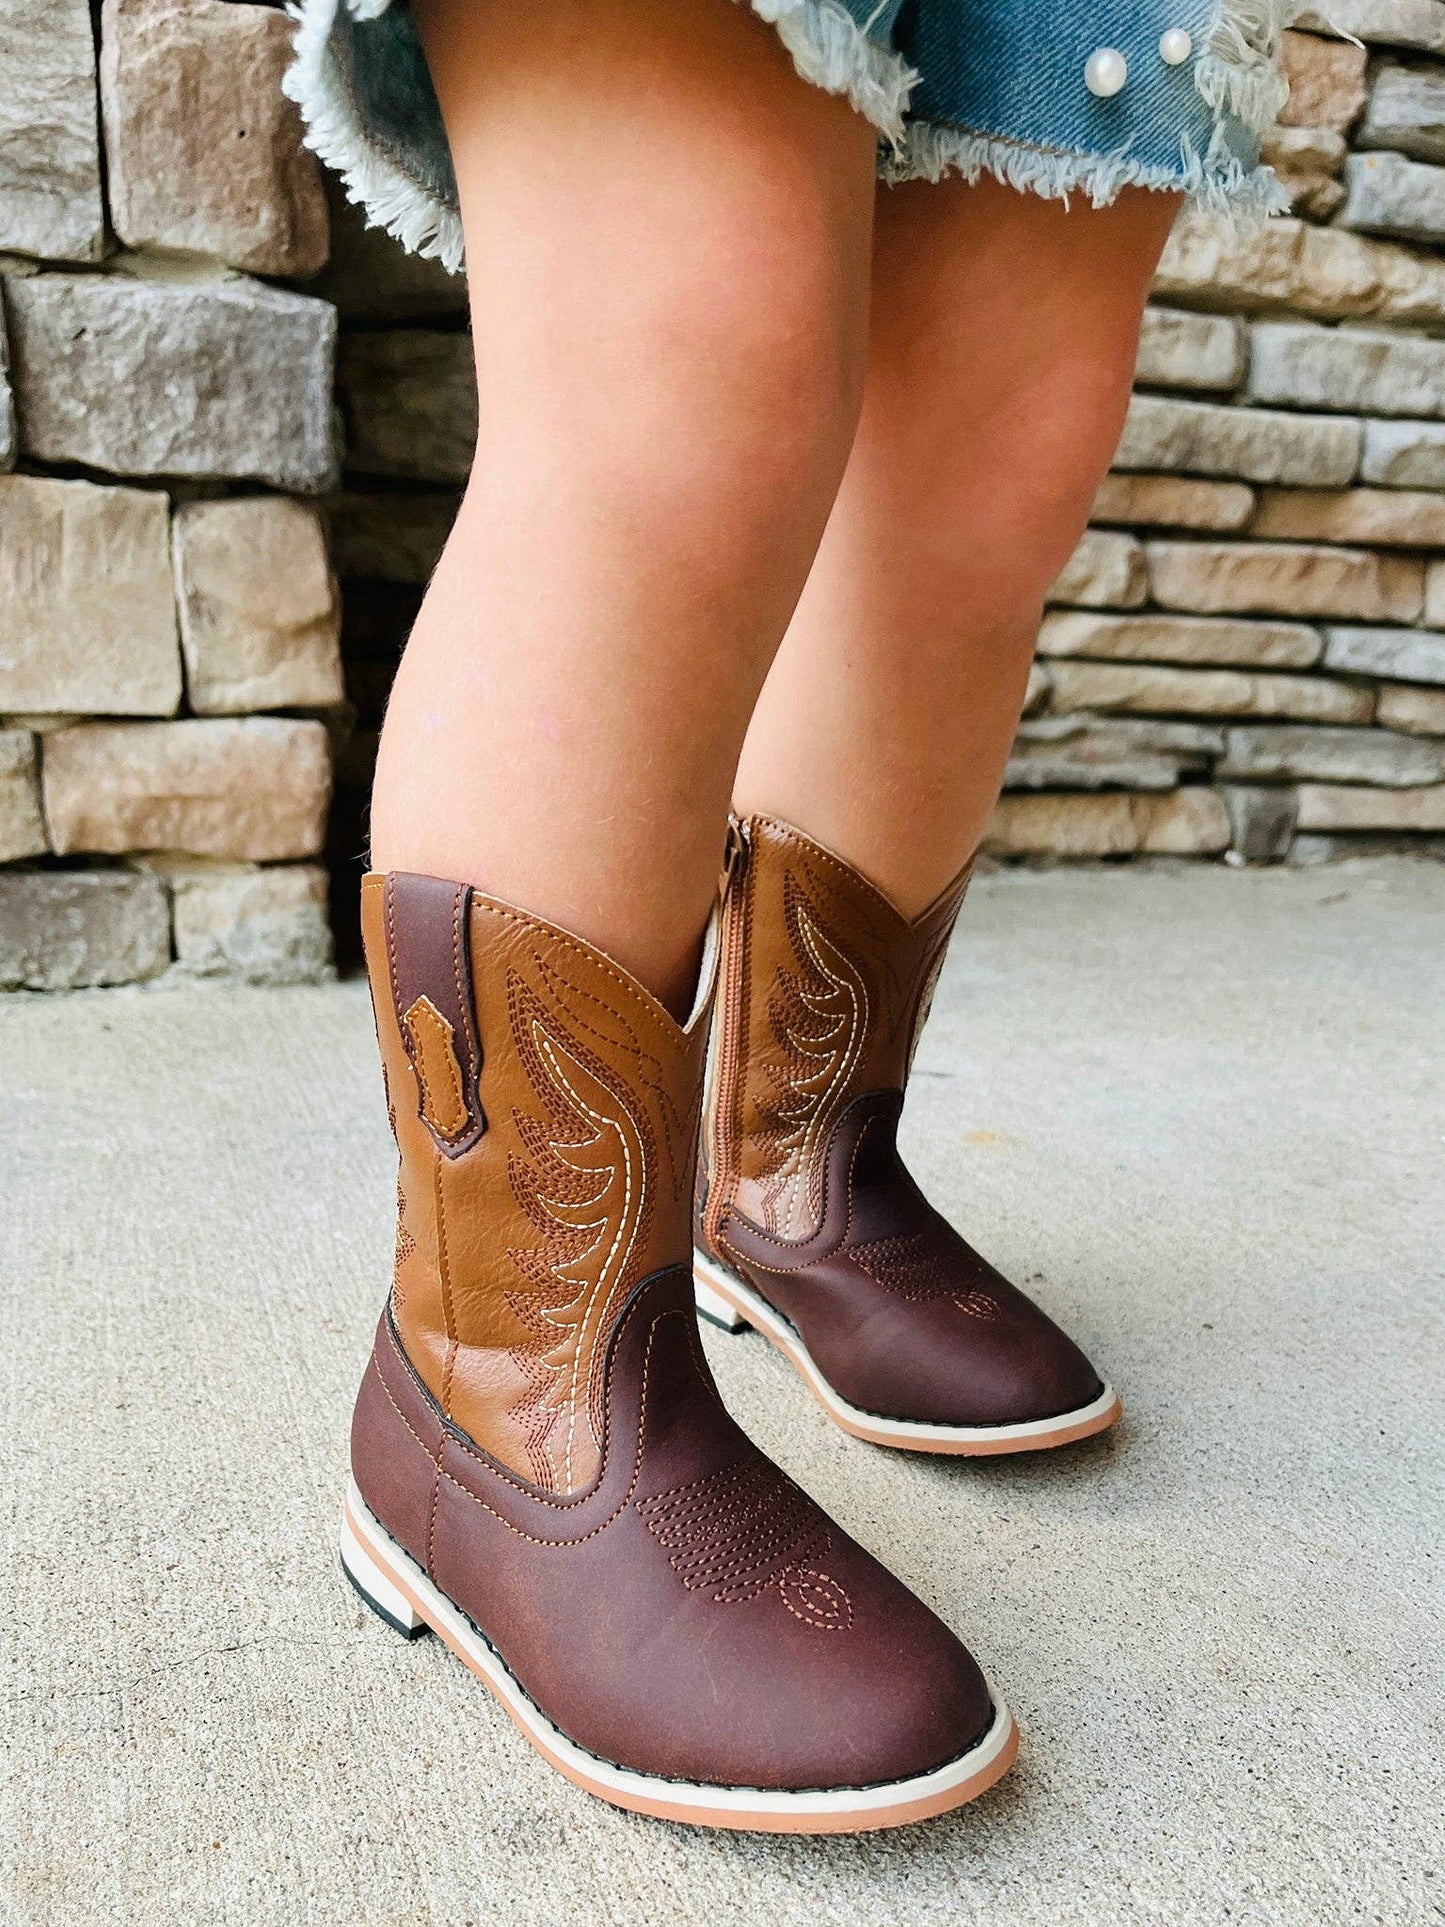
(1199,1113)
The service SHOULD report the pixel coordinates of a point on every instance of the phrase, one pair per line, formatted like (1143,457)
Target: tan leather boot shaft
(546,1109)
(825,989)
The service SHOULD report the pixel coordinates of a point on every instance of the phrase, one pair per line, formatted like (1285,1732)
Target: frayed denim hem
(1238,79)
(338,130)
(1220,182)
(829,49)
(832,51)
(1238,73)
(360,79)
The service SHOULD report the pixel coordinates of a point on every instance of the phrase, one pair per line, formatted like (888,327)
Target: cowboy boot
(809,1227)
(543,1472)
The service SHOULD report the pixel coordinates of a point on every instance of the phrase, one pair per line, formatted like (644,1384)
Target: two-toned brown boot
(543,1472)
(809,1227)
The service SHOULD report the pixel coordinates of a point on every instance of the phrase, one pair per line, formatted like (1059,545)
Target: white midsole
(722,1295)
(372,1557)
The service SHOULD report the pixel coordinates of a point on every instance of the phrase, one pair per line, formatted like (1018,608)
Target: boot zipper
(723,1057)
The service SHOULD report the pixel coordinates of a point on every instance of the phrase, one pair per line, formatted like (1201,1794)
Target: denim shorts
(1057,97)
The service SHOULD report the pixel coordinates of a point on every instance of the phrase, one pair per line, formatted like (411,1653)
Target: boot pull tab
(428,943)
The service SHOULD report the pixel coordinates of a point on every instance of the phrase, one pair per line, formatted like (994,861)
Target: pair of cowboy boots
(543,1471)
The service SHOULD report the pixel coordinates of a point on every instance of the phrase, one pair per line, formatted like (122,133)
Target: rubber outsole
(724,1300)
(399,1591)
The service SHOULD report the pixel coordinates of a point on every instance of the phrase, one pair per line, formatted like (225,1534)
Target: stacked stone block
(170,670)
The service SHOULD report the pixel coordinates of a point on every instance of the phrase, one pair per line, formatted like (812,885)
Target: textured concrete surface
(1201,1112)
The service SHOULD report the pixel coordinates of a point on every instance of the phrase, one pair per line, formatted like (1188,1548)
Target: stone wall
(170,666)
(1246,657)
(1245,660)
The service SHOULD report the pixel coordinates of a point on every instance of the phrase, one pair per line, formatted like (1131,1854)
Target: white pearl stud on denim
(1105,72)
(1175,47)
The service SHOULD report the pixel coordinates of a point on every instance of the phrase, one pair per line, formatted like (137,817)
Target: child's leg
(1003,343)
(668,238)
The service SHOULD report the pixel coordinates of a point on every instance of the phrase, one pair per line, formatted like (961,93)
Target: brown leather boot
(543,1473)
(808,1225)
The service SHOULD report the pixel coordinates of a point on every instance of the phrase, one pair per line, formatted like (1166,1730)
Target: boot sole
(725,1301)
(399,1591)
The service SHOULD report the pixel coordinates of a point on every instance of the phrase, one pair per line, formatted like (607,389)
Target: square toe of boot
(829,1674)
(938,1365)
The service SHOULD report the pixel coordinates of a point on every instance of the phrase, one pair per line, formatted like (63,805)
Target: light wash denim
(953,86)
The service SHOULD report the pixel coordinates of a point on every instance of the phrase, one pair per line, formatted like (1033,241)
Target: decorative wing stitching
(818,1016)
(581,1182)
(610,1027)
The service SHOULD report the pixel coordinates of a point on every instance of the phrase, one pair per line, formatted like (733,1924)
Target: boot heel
(711,1304)
(385,1598)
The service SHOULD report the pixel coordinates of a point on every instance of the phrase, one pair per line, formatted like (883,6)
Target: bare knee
(746,359)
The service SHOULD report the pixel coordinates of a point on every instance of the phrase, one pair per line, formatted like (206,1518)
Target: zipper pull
(735,856)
